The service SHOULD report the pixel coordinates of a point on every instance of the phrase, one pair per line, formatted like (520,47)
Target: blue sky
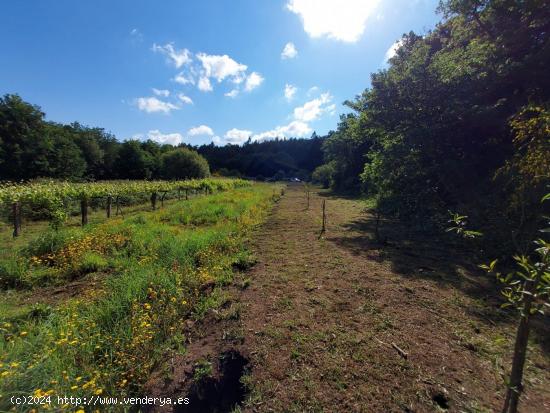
(200,71)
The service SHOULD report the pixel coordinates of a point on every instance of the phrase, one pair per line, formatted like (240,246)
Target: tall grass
(108,340)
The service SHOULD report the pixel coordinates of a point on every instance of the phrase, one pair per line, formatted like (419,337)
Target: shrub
(183,163)
(323,175)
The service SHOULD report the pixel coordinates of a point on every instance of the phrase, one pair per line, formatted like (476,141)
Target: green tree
(134,162)
(323,174)
(23,146)
(65,158)
(183,163)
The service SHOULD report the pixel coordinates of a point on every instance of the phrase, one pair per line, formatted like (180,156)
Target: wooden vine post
(186,194)
(324,227)
(154,200)
(16,209)
(84,210)
(162,199)
(109,206)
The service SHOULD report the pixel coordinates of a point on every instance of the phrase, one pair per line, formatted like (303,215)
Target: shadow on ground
(416,254)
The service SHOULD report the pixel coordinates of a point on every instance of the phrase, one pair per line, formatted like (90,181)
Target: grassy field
(90,311)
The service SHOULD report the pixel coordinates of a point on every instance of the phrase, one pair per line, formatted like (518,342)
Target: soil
(343,322)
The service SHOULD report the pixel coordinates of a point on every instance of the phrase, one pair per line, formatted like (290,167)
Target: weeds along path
(327,321)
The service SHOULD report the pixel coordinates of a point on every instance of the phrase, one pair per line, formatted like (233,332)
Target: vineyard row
(53,196)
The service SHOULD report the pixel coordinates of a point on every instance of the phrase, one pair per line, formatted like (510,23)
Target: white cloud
(162,138)
(253,80)
(290,91)
(336,19)
(185,99)
(232,94)
(295,128)
(393,50)
(298,127)
(313,109)
(312,90)
(201,130)
(152,105)
(206,69)
(220,67)
(161,92)
(183,79)
(205,85)
(289,51)
(236,136)
(177,57)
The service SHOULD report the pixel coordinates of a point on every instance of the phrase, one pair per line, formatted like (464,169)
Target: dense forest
(459,121)
(277,159)
(31,147)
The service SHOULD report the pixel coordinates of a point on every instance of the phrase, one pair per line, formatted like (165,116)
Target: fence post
(109,206)
(186,194)
(16,207)
(323,229)
(84,210)
(154,200)
(162,199)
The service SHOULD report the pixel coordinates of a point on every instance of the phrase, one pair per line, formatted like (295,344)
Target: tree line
(31,147)
(460,120)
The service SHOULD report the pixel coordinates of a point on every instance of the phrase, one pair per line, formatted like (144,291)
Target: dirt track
(345,323)
(324,320)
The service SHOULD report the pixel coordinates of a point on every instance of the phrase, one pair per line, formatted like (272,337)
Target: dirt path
(321,315)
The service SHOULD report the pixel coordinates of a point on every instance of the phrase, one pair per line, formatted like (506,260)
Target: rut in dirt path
(320,319)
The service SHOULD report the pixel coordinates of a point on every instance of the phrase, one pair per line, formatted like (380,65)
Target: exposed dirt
(321,316)
(342,323)
(209,371)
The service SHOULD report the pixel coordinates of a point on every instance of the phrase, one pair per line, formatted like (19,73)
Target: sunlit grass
(108,340)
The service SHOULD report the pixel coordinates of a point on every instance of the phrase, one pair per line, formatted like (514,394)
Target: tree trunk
(109,206)
(515,387)
(16,208)
(154,200)
(84,210)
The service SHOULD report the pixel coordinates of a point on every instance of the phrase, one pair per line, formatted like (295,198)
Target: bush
(323,175)
(183,163)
